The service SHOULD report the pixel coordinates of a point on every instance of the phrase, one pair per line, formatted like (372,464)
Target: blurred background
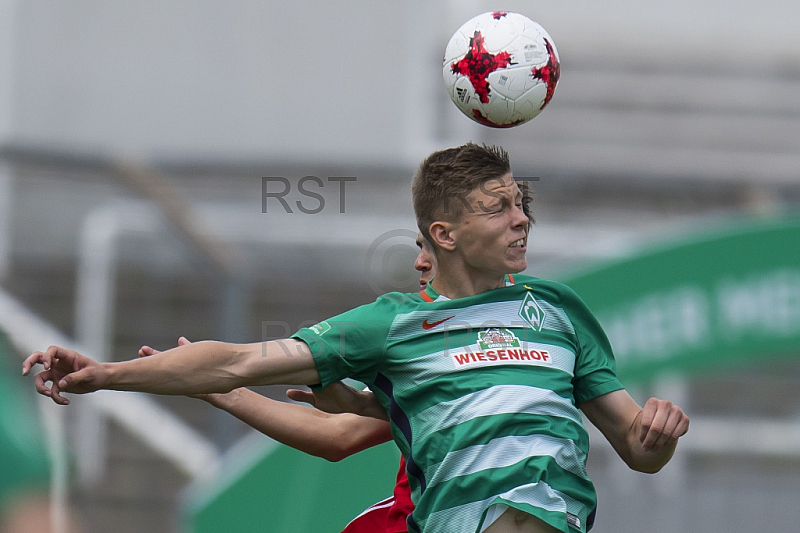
(239,170)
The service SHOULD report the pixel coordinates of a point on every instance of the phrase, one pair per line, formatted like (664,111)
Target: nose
(519,217)
(422,265)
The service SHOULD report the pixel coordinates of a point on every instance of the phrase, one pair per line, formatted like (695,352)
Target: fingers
(301,396)
(64,371)
(38,358)
(648,414)
(54,391)
(662,423)
(146,351)
(46,358)
(40,382)
(654,418)
(670,431)
(32,360)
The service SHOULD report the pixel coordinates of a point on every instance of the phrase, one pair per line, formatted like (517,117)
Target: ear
(442,235)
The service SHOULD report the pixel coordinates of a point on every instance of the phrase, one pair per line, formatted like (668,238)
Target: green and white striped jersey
(482,394)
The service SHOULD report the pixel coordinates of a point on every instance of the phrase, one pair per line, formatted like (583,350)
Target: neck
(457,281)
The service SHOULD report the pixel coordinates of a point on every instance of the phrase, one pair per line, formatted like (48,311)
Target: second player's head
(425,262)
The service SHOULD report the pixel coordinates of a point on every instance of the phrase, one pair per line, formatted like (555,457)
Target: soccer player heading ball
(481,375)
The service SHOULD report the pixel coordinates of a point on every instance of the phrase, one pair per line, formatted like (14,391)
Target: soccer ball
(501,69)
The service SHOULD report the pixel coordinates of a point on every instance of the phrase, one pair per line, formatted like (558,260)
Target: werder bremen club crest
(531,313)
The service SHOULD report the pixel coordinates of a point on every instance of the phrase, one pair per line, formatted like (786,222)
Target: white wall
(209,78)
(345,80)
(7,57)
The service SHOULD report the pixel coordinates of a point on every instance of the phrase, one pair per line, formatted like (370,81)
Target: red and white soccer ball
(501,69)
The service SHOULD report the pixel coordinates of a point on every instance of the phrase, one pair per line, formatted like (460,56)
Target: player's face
(492,235)
(425,262)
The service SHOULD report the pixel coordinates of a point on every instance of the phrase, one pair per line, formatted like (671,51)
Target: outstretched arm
(330,436)
(645,438)
(196,368)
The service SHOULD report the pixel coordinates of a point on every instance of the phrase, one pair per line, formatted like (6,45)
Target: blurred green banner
(24,463)
(729,295)
(278,489)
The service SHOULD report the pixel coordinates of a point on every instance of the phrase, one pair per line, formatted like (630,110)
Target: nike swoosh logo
(428,325)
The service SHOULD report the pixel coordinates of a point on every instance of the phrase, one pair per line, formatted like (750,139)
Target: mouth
(519,243)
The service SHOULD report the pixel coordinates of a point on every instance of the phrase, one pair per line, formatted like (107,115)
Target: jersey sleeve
(350,345)
(595,367)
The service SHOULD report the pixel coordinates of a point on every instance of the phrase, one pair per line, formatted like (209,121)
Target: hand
(147,351)
(339,398)
(662,422)
(67,371)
